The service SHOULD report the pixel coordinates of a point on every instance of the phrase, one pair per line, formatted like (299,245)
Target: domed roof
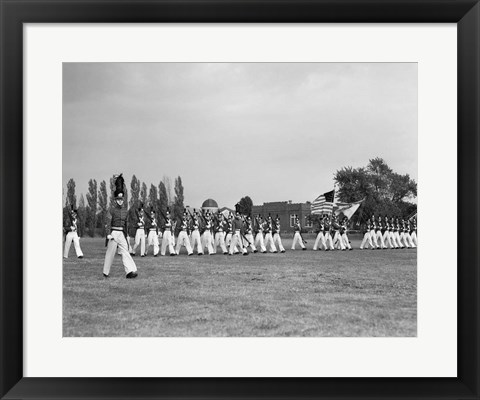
(210,203)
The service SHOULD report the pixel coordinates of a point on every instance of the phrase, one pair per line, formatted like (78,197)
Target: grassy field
(299,293)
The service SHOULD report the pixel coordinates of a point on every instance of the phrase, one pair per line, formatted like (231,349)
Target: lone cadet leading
(70,227)
(116,228)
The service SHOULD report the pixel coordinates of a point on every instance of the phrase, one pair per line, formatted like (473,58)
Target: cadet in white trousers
(207,234)
(196,240)
(297,237)
(152,229)
(182,239)
(367,239)
(397,230)
(248,238)
(379,233)
(140,233)
(386,233)
(167,237)
(277,240)
(337,237)
(373,232)
(391,232)
(407,234)
(116,227)
(414,232)
(268,229)
(70,228)
(220,227)
(259,242)
(344,235)
(403,236)
(320,240)
(237,225)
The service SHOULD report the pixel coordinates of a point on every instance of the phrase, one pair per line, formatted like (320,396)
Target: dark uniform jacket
(117,217)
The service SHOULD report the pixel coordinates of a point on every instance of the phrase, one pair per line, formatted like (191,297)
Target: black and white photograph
(239,199)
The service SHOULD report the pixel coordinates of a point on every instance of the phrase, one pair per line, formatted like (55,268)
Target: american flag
(323,204)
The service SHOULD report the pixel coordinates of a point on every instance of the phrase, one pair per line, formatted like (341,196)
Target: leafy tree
(82,216)
(385,191)
(71,198)
(135,191)
(92,197)
(179,199)
(163,198)
(102,206)
(168,189)
(143,194)
(246,205)
(153,197)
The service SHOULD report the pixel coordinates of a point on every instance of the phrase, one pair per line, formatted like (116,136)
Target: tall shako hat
(140,206)
(237,208)
(184,212)
(168,211)
(72,210)
(119,184)
(277,218)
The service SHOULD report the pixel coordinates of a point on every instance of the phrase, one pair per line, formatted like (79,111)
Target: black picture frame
(465,13)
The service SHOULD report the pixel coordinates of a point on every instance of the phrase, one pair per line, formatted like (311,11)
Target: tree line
(92,213)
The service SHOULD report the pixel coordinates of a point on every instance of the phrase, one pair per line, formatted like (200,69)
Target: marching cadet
(167,236)
(320,240)
(140,232)
(379,233)
(206,236)
(373,232)
(229,234)
(182,239)
(70,228)
(398,232)
(220,226)
(343,234)
(195,228)
(116,227)
(391,230)
(248,237)
(259,234)
(403,236)
(386,233)
(297,237)
(367,238)
(407,234)
(413,233)
(277,240)
(337,237)
(268,229)
(329,232)
(237,226)
(152,229)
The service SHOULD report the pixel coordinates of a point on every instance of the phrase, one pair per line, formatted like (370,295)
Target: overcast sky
(273,131)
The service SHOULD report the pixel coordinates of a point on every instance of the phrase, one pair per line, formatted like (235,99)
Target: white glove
(109,237)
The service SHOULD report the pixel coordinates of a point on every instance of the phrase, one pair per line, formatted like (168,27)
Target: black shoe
(131,275)
(200,254)
(105,275)
(263,252)
(172,254)
(80,257)
(255,251)
(132,254)
(245,254)
(155,255)
(283,251)
(225,253)
(275,251)
(191,254)
(304,248)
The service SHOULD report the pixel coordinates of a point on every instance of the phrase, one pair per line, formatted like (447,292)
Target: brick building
(287,211)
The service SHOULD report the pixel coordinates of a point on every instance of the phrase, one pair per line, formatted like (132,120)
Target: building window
(308,222)
(292,220)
